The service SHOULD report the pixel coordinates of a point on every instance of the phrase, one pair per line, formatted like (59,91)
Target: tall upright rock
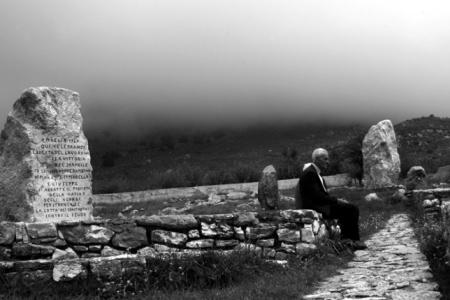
(380,156)
(45,168)
(268,195)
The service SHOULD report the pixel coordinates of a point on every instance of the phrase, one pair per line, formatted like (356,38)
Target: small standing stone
(268,195)
(414,177)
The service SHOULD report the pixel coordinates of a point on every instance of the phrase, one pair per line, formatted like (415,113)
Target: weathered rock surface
(68,270)
(111,270)
(130,238)
(64,254)
(226,243)
(45,160)
(7,233)
(194,234)
(399,196)
(391,268)
(307,234)
(414,177)
(380,156)
(260,231)
(246,219)
(169,237)
(288,235)
(31,250)
(305,248)
(147,251)
(372,197)
(87,234)
(237,195)
(108,251)
(296,215)
(179,222)
(217,230)
(41,230)
(198,244)
(268,195)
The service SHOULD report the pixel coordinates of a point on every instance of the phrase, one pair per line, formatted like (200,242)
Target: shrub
(289,167)
(431,235)
(208,270)
(244,173)
(347,157)
(217,177)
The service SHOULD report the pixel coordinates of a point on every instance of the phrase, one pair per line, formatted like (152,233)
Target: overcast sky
(230,61)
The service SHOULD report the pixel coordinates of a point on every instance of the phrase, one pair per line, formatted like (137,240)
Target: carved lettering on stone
(44,158)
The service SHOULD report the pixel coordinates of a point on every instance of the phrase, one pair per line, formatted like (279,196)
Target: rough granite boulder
(169,237)
(41,230)
(268,195)
(131,237)
(261,231)
(7,233)
(288,235)
(86,235)
(68,270)
(45,161)
(27,251)
(177,222)
(415,177)
(380,156)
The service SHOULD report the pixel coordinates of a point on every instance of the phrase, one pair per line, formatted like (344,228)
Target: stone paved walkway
(392,267)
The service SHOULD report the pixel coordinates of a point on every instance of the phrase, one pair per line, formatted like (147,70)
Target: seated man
(314,195)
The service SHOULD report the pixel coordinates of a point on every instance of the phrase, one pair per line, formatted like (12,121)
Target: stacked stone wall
(436,206)
(51,250)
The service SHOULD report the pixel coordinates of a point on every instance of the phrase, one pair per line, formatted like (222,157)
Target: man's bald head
(320,158)
(318,153)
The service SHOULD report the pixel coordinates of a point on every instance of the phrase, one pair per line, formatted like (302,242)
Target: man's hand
(343,201)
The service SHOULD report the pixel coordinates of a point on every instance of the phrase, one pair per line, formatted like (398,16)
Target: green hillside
(187,158)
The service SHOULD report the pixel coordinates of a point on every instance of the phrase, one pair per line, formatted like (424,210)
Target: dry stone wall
(436,207)
(68,250)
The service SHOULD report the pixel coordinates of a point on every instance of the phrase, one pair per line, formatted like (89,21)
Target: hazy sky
(230,61)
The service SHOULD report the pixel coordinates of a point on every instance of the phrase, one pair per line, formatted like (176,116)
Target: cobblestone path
(392,267)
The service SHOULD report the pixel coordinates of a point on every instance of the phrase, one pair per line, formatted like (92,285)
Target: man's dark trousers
(347,215)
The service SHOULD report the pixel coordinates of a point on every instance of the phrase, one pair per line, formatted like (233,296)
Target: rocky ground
(392,267)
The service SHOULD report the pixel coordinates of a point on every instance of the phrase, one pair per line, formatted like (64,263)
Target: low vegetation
(180,159)
(176,159)
(431,235)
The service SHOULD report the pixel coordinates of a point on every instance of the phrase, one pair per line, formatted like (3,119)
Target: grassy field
(188,158)
(230,157)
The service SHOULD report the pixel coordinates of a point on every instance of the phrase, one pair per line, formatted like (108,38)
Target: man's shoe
(359,245)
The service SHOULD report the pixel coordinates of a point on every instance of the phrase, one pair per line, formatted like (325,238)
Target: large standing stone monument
(380,156)
(45,169)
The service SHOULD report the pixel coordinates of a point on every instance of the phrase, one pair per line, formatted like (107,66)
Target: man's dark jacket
(311,194)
